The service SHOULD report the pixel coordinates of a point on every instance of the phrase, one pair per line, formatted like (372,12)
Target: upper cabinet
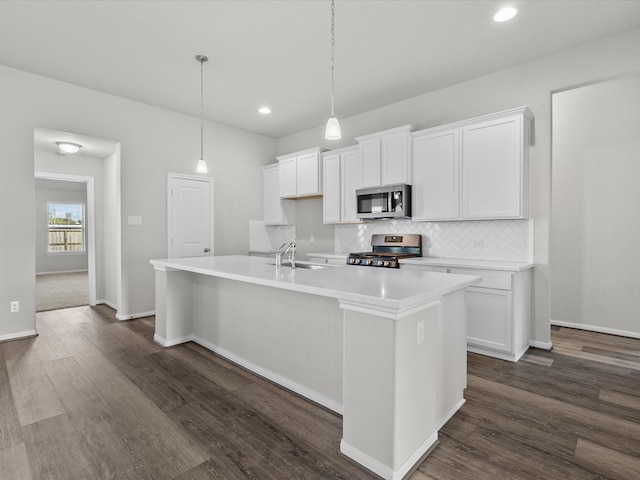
(386,157)
(341,178)
(276,211)
(436,175)
(301,173)
(473,170)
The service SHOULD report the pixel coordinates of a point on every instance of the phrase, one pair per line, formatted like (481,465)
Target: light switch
(135,220)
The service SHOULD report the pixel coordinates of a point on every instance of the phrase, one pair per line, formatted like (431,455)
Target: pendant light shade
(332,132)
(202,164)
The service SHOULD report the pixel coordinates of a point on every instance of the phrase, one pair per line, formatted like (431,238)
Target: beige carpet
(61,290)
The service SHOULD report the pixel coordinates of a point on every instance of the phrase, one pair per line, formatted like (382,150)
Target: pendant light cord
(201,108)
(333,52)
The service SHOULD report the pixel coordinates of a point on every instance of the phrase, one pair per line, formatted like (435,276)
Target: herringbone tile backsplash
(503,240)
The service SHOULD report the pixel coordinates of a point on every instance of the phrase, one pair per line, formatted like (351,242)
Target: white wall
(528,84)
(112,253)
(59,192)
(153,142)
(594,254)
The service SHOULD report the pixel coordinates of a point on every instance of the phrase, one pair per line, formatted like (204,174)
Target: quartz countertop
(448,262)
(391,288)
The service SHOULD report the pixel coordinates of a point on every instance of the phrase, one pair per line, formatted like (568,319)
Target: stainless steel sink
(307,265)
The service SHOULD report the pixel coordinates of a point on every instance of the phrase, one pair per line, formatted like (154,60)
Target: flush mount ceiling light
(332,132)
(505,14)
(68,148)
(264,110)
(202,165)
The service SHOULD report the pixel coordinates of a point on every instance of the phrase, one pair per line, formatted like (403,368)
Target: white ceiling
(277,52)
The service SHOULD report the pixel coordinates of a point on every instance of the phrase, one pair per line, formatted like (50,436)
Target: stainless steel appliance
(391,201)
(387,250)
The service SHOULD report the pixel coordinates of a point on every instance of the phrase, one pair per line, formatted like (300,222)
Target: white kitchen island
(386,348)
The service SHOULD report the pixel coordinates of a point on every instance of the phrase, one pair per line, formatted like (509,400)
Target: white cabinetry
(498,313)
(386,157)
(498,309)
(341,177)
(301,173)
(436,176)
(276,211)
(495,167)
(474,169)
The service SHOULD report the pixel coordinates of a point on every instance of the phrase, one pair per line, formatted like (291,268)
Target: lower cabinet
(498,310)
(489,318)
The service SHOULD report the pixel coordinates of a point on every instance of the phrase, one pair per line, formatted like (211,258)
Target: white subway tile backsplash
(503,240)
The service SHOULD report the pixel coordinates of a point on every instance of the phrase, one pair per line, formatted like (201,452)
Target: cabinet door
(308,174)
(394,159)
(370,157)
(489,318)
(331,199)
(288,177)
(276,211)
(350,172)
(436,176)
(492,169)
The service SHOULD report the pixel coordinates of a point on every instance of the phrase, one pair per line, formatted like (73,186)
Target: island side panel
(390,389)
(292,338)
(452,355)
(173,306)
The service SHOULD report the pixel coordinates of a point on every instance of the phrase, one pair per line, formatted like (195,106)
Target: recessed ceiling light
(264,110)
(67,148)
(505,14)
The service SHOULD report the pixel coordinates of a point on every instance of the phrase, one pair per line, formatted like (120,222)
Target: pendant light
(332,132)
(202,165)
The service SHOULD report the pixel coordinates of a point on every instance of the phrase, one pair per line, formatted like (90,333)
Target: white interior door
(190,216)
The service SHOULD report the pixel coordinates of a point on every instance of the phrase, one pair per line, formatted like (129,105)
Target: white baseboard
(541,345)
(16,336)
(274,377)
(62,271)
(385,471)
(170,343)
(595,328)
(450,414)
(107,303)
(135,315)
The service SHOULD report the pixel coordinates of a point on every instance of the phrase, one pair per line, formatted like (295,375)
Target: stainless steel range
(387,250)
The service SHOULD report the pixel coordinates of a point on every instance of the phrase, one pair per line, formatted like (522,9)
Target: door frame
(171,177)
(90,225)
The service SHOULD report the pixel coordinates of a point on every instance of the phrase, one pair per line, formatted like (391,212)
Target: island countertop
(397,289)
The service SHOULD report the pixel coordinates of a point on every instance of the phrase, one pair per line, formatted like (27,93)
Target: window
(66,227)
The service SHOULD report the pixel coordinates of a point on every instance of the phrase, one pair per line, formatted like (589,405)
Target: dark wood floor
(94,398)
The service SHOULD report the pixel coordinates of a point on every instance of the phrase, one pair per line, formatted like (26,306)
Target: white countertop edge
(467,263)
(390,308)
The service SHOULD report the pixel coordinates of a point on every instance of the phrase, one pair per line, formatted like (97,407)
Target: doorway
(65,241)
(594,256)
(96,169)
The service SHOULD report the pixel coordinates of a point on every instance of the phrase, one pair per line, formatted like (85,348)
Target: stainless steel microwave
(390,201)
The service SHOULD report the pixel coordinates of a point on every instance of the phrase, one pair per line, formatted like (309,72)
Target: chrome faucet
(282,251)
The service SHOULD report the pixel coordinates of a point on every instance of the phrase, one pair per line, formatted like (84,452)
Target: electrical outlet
(15,307)
(477,244)
(420,332)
